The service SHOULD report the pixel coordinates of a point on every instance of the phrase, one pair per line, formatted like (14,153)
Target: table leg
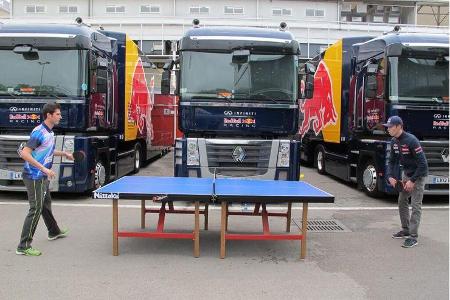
(288,221)
(115,227)
(304,230)
(226,217)
(223,225)
(142,214)
(206,215)
(197,230)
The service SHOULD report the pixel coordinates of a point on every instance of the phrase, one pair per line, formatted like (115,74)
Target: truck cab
(238,107)
(367,81)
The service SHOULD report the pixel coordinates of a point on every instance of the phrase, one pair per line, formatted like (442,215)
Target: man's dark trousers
(40,204)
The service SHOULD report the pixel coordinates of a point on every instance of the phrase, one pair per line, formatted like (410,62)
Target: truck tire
(319,159)
(137,158)
(369,179)
(100,175)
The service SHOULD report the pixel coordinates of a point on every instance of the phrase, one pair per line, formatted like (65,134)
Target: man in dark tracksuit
(406,150)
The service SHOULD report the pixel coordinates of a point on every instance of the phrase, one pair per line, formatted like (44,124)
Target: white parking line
(231,208)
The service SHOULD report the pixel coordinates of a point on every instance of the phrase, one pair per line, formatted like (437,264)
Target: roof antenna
(196,23)
(79,21)
(283,26)
(395,30)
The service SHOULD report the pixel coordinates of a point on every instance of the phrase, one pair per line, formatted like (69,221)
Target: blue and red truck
(355,85)
(238,109)
(99,79)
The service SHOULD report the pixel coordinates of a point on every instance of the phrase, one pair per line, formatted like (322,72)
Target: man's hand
(392,181)
(409,186)
(50,174)
(69,156)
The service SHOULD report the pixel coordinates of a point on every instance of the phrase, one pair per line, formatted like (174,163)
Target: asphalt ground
(361,262)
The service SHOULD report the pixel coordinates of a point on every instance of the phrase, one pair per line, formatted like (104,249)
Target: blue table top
(203,189)
(144,187)
(243,190)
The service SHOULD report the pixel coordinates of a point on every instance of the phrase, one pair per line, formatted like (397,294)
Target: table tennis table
(211,190)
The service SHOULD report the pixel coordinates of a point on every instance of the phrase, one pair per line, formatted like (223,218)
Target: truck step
(353,179)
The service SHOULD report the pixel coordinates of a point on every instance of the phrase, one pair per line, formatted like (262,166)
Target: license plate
(10,175)
(440,180)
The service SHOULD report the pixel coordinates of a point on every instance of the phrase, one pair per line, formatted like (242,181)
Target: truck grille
(9,159)
(223,158)
(434,151)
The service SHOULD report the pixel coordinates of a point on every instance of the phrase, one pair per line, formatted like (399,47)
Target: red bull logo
(319,110)
(140,104)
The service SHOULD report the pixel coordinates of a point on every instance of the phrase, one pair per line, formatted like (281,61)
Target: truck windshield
(258,78)
(50,73)
(419,79)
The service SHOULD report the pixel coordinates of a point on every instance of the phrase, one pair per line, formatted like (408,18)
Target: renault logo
(239,154)
(444,155)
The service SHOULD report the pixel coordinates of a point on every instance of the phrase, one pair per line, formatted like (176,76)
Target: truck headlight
(68,146)
(283,154)
(193,158)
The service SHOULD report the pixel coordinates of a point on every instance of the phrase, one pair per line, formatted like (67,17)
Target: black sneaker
(62,234)
(409,243)
(400,235)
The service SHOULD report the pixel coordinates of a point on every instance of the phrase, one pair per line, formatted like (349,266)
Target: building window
(150,9)
(114,9)
(199,10)
(311,12)
(68,9)
(35,9)
(231,10)
(281,12)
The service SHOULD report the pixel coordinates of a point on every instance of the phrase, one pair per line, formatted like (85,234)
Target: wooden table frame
(224,236)
(159,233)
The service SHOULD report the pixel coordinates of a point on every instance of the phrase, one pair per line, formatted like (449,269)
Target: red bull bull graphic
(320,109)
(139,102)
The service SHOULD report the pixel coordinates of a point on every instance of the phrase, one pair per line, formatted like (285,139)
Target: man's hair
(50,108)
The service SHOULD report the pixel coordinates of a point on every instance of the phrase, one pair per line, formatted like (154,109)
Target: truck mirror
(394,50)
(177,82)
(353,65)
(92,61)
(372,68)
(310,68)
(371,86)
(28,52)
(309,86)
(240,56)
(102,82)
(165,82)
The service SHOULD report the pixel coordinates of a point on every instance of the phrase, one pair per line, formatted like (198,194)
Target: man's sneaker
(409,243)
(28,252)
(62,234)
(400,235)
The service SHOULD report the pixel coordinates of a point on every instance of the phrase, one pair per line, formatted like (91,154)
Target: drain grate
(318,225)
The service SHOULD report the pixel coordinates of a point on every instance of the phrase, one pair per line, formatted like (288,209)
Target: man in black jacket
(406,150)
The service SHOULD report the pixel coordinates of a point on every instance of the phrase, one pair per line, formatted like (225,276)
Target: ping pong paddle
(399,186)
(78,156)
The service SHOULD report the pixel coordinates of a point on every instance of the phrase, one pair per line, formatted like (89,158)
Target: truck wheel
(319,159)
(100,175)
(369,179)
(137,158)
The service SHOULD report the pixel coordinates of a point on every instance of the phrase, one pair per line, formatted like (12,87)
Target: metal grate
(319,225)
(255,162)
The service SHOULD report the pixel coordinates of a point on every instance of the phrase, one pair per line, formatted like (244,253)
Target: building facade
(4,9)
(315,24)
